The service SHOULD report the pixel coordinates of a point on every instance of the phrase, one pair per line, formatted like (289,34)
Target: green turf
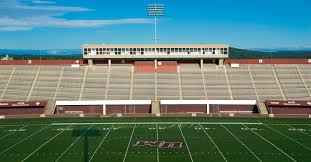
(113,139)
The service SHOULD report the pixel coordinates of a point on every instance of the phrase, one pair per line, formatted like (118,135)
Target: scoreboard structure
(200,52)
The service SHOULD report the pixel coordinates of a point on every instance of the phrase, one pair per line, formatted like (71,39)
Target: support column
(109,63)
(90,62)
(207,109)
(156,64)
(155,107)
(201,63)
(221,62)
(104,109)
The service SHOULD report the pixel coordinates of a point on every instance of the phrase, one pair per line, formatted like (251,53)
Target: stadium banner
(23,104)
(289,103)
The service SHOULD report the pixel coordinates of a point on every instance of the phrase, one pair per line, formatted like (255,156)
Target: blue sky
(67,24)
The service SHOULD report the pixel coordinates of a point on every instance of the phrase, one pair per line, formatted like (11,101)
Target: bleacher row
(261,82)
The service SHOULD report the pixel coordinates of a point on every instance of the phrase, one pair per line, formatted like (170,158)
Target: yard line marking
(289,137)
(213,142)
(101,142)
(73,143)
(23,140)
(242,143)
(290,124)
(11,133)
(5,125)
(44,144)
(153,123)
(185,142)
(158,159)
(300,131)
(271,143)
(129,143)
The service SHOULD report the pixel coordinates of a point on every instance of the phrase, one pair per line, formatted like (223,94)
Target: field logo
(158,144)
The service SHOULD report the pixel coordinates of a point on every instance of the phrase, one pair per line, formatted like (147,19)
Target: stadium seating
(291,82)
(191,82)
(213,82)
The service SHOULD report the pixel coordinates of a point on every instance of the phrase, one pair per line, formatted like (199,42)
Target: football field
(155,140)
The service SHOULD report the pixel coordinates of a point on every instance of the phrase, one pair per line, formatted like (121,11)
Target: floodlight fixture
(155,10)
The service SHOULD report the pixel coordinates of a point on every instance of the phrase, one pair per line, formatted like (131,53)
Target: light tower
(155,10)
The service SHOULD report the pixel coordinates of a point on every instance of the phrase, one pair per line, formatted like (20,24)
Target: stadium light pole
(155,10)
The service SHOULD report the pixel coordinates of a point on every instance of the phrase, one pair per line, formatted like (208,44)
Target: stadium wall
(40,62)
(268,61)
(22,108)
(289,107)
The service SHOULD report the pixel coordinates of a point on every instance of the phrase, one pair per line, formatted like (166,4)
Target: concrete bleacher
(119,83)
(46,83)
(20,83)
(144,86)
(168,86)
(291,82)
(264,82)
(215,83)
(70,83)
(95,83)
(240,83)
(191,82)
(52,83)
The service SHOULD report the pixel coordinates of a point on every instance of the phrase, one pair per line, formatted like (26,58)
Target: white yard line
(73,143)
(101,142)
(129,143)
(153,123)
(10,133)
(5,125)
(158,158)
(23,140)
(185,142)
(213,143)
(242,143)
(288,137)
(271,144)
(44,144)
(290,124)
(300,131)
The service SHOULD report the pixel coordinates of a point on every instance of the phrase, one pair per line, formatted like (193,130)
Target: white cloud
(15,28)
(43,2)
(17,16)
(46,21)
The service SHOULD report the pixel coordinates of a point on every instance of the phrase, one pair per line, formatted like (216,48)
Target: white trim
(184,102)
(165,102)
(202,102)
(105,102)
(233,102)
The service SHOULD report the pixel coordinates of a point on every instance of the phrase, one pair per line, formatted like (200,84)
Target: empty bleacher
(191,82)
(264,82)
(291,82)
(95,83)
(214,82)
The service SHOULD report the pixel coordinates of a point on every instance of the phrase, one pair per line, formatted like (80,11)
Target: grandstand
(118,77)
